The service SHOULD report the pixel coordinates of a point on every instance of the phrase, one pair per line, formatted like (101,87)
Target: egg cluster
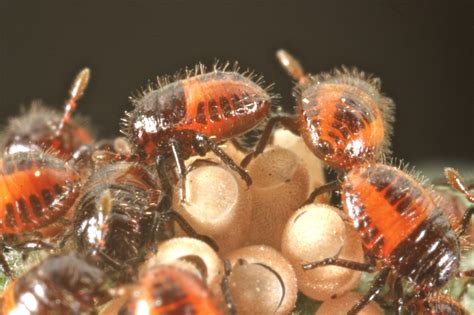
(200,208)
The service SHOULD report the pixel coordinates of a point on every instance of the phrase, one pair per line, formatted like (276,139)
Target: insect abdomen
(399,222)
(37,189)
(341,123)
(224,104)
(429,255)
(386,206)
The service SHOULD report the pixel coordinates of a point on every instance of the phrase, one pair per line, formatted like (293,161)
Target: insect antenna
(291,65)
(75,93)
(457,182)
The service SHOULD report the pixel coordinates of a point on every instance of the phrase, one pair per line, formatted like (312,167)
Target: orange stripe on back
(376,207)
(341,124)
(211,90)
(23,184)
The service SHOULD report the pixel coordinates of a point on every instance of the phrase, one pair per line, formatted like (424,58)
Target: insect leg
(374,290)
(109,260)
(32,245)
(466,220)
(328,187)
(466,273)
(180,167)
(161,168)
(334,261)
(397,301)
(226,289)
(204,142)
(66,237)
(398,289)
(188,229)
(287,121)
(465,289)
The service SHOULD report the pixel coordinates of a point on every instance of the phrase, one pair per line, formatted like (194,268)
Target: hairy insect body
(219,105)
(341,119)
(401,223)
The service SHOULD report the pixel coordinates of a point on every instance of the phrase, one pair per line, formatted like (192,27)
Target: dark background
(422,50)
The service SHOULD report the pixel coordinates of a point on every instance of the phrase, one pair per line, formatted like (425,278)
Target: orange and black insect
(402,225)
(59,285)
(43,128)
(170,290)
(193,114)
(342,116)
(122,213)
(37,192)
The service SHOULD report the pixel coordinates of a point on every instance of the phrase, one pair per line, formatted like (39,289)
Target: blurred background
(422,50)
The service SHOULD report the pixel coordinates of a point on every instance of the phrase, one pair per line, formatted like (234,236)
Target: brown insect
(122,213)
(59,285)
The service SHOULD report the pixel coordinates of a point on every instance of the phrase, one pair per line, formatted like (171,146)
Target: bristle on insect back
(222,68)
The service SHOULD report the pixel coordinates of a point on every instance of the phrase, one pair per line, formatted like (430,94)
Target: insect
(37,192)
(401,224)
(59,285)
(342,116)
(170,290)
(121,214)
(192,115)
(42,128)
